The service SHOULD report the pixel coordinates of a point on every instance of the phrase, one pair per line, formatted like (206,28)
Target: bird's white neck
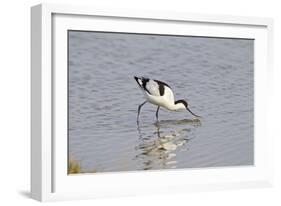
(176,107)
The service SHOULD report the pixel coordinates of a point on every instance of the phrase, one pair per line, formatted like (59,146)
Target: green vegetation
(73,166)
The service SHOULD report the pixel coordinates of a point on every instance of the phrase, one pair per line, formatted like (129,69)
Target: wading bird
(160,94)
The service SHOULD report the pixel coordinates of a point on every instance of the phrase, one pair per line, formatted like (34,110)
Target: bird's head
(183,105)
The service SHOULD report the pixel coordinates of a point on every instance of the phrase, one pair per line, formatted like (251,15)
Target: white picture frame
(49,178)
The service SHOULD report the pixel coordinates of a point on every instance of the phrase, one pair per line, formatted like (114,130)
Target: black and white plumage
(160,94)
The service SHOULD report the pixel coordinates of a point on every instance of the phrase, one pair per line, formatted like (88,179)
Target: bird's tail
(139,81)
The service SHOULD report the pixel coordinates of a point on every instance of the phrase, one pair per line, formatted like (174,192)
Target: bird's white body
(167,100)
(160,94)
(153,95)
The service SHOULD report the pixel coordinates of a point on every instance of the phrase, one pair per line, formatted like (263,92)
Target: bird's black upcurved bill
(192,112)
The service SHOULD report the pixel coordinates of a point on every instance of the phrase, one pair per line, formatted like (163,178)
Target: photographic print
(154,101)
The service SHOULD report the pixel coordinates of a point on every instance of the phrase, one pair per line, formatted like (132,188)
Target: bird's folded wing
(153,88)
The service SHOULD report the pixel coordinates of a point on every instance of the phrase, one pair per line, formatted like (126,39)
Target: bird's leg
(157,112)
(139,110)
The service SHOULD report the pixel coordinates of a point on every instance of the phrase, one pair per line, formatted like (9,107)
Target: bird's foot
(157,123)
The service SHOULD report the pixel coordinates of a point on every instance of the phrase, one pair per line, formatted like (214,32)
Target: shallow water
(215,76)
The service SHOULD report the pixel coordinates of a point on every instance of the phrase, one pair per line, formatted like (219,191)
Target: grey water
(214,75)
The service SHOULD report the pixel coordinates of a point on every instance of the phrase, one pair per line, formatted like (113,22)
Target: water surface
(215,76)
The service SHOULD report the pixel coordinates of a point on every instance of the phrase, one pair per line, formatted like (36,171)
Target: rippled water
(215,76)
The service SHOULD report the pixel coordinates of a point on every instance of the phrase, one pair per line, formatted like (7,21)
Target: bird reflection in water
(158,150)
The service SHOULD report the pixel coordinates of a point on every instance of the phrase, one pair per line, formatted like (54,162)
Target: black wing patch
(161,89)
(144,82)
(136,78)
(161,86)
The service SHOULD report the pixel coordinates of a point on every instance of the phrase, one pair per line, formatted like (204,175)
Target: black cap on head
(182,101)
(186,106)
